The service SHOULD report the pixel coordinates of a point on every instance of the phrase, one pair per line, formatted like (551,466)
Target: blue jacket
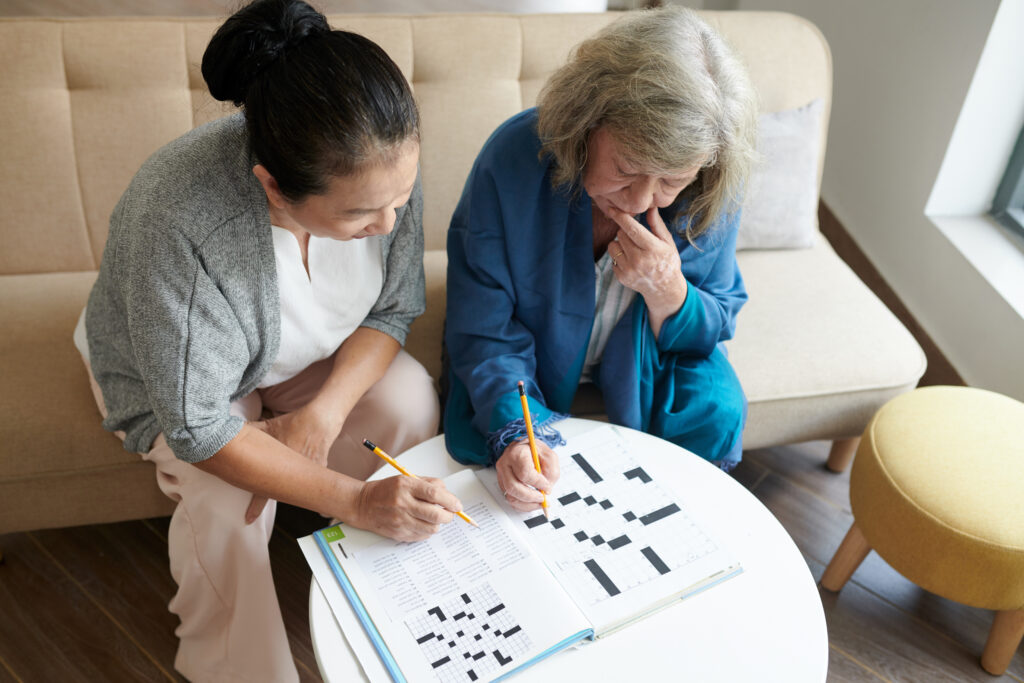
(521,307)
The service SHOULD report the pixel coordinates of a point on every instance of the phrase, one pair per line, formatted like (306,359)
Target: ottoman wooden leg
(1003,639)
(848,557)
(842,453)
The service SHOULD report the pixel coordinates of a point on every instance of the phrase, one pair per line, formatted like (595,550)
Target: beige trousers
(231,626)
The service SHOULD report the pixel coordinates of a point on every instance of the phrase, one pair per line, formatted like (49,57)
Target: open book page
(467,604)
(619,541)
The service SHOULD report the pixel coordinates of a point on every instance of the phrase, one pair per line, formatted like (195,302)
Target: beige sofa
(84,102)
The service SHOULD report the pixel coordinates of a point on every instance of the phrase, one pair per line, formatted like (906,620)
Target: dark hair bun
(251,40)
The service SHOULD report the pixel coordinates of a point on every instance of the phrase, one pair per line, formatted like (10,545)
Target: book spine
(357,606)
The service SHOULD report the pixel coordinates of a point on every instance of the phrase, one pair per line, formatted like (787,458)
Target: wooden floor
(89,603)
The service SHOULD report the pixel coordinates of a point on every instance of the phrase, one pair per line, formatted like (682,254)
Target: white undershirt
(611,299)
(320,310)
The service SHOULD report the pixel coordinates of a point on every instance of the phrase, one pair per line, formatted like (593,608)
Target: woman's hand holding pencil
(404,508)
(527,469)
(451,504)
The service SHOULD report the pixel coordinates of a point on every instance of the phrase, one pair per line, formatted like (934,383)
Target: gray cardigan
(184,317)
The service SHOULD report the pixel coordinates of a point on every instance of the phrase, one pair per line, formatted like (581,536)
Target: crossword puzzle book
(480,604)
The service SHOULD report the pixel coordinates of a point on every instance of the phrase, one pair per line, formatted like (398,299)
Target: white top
(319,310)
(765,625)
(611,301)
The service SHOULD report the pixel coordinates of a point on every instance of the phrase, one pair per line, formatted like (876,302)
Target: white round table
(766,624)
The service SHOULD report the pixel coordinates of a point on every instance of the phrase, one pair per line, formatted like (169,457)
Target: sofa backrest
(83,102)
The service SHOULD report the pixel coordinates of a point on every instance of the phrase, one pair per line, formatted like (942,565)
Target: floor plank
(844,668)
(749,473)
(804,465)
(53,631)
(815,525)
(124,568)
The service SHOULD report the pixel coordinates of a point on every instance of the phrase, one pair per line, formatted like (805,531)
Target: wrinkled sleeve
(716,293)
(490,349)
(188,345)
(403,297)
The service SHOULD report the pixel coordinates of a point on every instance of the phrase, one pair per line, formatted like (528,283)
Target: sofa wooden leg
(848,557)
(1003,639)
(842,453)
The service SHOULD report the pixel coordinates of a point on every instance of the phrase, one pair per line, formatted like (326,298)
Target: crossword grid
(613,527)
(469,636)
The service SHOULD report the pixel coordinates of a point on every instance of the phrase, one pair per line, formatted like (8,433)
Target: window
(1008,205)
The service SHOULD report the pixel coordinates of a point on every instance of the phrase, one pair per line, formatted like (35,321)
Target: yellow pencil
(533,442)
(394,463)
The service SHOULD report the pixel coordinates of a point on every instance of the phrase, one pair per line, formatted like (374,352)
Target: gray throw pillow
(780,208)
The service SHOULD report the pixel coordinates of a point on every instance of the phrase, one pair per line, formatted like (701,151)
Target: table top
(766,624)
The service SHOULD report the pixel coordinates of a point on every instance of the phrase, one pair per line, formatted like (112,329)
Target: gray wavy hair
(672,93)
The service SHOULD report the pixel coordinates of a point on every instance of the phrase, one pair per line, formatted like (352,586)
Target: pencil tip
(369,444)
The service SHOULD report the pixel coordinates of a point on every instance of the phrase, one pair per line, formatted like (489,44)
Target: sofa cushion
(60,429)
(60,468)
(425,335)
(44,226)
(827,378)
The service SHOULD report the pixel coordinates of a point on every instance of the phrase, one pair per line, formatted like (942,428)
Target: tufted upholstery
(89,99)
(83,102)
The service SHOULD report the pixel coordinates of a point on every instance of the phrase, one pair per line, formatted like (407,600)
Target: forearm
(255,461)
(665,302)
(704,320)
(359,363)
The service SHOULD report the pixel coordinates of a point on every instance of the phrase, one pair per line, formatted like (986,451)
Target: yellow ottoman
(937,489)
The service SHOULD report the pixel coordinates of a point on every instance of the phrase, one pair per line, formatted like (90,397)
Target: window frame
(1008,203)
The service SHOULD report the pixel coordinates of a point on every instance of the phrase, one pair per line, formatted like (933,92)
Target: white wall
(902,71)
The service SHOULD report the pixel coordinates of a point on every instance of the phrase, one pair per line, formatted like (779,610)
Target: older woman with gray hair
(595,242)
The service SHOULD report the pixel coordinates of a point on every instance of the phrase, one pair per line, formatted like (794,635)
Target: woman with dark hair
(594,245)
(244,334)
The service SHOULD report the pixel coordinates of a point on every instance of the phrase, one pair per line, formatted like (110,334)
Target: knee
(209,503)
(727,413)
(730,408)
(703,410)
(407,396)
